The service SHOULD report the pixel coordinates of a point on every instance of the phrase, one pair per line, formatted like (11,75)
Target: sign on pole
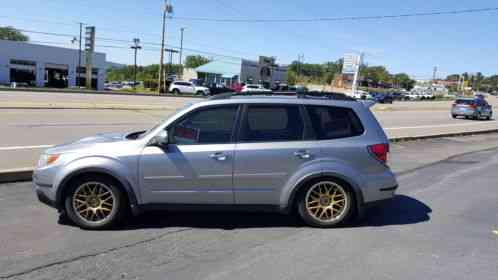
(351,66)
(351,61)
(89,50)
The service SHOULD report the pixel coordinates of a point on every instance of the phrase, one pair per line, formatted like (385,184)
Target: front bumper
(43,198)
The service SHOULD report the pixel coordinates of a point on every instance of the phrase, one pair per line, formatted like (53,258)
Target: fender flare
(124,183)
(356,189)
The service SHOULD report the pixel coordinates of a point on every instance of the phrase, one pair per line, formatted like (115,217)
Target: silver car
(474,108)
(325,158)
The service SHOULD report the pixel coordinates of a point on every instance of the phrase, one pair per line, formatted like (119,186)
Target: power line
(326,19)
(130,41)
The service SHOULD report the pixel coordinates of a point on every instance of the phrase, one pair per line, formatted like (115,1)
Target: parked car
(412,96)
(383,98)
(178,87)
(215,89)
(326,158)
(254,88)
(360,94)
(474,108)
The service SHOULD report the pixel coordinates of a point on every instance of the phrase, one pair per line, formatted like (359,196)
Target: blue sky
(455,44)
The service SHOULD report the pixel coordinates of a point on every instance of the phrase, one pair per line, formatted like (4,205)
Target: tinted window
(464,101)
(334,122)
(267,123)
(209,126)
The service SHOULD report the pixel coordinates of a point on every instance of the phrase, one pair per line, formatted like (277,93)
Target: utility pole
(167,10)
(79,57)
(181,51)
(300,61)
(170,63)
(136,46)
(434,74)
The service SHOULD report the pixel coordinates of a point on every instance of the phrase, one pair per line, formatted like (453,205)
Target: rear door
(271,147)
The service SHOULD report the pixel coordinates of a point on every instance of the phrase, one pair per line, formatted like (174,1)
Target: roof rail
(298,94)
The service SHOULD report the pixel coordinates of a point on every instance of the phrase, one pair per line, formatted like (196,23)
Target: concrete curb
(16,175)
(117,108)
(97,92)
(25,174)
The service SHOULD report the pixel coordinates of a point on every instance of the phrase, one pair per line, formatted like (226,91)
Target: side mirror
(160,140)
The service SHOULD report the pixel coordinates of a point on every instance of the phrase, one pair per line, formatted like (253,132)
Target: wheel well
(302,185)
(66,185)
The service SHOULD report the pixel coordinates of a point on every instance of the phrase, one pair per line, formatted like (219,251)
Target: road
(440,226)
(27,132)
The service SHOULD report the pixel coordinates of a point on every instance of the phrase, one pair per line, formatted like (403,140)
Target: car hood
(87,142)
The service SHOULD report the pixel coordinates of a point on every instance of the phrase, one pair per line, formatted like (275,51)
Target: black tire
(312,220)
(454,116)
(176,91)
(119,208)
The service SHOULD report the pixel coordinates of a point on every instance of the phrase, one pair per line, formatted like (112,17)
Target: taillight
(473,106)
(379,152)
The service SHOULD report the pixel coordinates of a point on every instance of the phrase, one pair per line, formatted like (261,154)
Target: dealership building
(228,72)
(47,66)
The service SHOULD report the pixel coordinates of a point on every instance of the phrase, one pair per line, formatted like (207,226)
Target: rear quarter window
(334,122)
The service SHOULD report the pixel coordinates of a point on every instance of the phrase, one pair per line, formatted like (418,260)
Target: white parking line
(437,126)
(14,148)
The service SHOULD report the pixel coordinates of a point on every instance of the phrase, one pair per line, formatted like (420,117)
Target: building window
(22,62)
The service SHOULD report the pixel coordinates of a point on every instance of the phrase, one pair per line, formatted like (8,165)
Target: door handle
(302,154)
(218,156)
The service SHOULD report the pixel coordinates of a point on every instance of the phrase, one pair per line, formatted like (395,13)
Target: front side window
(270,123)
(206,126)
(334,122)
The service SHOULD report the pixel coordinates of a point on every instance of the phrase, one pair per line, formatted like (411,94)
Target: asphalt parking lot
(440,226)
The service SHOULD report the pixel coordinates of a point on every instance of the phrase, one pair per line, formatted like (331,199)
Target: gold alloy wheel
(94,202)
(326,201)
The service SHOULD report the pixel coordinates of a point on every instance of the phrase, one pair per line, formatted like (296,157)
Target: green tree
(12,34)
(375,75)
(404,81)
(194,61)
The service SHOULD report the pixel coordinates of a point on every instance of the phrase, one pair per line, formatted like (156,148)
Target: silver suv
(325,158)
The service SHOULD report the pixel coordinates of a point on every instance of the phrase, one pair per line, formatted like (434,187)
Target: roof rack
(298,94)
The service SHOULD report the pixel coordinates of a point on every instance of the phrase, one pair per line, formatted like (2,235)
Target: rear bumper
(389,194)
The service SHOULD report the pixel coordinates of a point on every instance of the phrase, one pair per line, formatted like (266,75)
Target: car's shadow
(400,210)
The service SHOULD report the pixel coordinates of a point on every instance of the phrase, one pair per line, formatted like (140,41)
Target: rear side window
(271,123)
(334,122)
(464,102)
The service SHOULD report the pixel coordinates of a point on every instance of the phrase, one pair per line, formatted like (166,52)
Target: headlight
(46,160)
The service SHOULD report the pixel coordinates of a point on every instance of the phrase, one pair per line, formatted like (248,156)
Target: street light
(135,47)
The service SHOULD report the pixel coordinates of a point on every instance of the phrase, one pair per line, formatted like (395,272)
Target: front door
(197,166)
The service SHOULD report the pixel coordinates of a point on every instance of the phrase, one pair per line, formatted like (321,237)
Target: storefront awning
(227,69)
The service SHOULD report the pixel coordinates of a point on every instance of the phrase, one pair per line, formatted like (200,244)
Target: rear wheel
(454,116)
(325,203)
(176,91)
(95,203)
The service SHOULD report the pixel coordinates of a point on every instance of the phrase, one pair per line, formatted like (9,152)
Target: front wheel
(95,203)
(176,91)
(325,204)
